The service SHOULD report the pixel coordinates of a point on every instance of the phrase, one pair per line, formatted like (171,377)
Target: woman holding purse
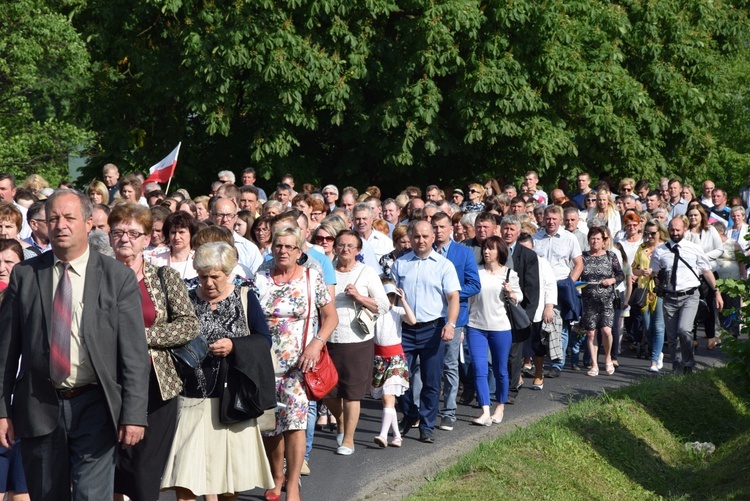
(359,295)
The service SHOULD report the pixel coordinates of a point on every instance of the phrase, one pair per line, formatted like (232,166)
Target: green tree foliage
(385,91)
(43,64)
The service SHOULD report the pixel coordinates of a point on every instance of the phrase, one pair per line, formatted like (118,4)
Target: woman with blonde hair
(606,212)
(98,192)
(475,193)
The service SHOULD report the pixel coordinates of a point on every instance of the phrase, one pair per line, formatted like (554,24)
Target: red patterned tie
(62,314)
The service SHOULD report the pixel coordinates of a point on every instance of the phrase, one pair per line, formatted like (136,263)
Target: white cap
(391,289)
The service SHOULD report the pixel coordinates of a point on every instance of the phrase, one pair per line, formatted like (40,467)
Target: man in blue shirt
(468,276)
(432,290)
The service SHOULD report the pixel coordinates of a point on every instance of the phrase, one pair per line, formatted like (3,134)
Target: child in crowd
(390,375)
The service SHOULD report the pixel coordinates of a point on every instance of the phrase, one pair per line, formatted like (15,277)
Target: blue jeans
(312,418)
(450,375)
(577,344)
(654,325)
(423,345)
(559,364)
(499,343)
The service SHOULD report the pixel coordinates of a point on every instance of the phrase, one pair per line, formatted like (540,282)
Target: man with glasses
(224,213)
(39,238)
(330,196)
(584,181)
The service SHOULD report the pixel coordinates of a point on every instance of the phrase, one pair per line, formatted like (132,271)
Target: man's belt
(68,393)
(430,323)
(688,292)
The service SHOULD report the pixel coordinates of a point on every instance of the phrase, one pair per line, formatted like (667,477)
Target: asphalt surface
(394,473)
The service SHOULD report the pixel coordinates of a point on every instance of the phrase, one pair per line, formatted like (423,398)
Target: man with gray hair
(227,176)
(571,219)
(362,218)
(330,196)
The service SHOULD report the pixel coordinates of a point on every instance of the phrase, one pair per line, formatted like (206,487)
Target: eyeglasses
(625,188)
(346,246)
(132,234)
(316,213)
(328,193)
(473,191)
(320,239)
(223,216)
(649,233)
(591,200)
(286,248)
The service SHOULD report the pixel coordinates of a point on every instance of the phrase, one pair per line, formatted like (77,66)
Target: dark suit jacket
(462,258)
(111,324)
(526,263)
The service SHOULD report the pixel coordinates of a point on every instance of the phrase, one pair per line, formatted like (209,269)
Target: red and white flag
(164,170)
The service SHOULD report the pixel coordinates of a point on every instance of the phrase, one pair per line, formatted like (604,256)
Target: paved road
(391,473)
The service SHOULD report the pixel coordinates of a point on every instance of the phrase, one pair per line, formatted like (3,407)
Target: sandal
(593,372)
(609,368)
(538,384)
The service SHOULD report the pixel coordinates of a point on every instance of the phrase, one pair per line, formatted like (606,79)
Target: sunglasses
(591,200)
(473,191)
(320,239)
(649,233)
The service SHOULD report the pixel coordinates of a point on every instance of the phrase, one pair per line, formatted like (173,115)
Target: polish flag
(164,170)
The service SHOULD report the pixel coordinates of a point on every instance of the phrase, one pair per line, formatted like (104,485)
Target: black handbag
(519,320)
(638,297)
(189,356)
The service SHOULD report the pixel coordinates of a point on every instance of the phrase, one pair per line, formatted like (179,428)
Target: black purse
(189,356)
(519,320)
(638,297)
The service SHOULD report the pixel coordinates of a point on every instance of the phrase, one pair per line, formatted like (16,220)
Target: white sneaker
(654,368)
(660,362)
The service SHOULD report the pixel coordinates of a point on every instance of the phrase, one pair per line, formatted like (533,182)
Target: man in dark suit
(75,318)
(525,263)
(468,275)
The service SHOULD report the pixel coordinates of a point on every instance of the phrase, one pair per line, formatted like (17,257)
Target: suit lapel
(91,292)
(44,282)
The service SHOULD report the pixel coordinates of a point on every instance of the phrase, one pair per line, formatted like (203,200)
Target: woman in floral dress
(285,293)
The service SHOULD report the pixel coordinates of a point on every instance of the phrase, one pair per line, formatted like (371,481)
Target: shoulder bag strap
(160,274)
(679,256)
(309,308)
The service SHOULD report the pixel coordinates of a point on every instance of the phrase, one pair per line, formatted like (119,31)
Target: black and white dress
(598,309)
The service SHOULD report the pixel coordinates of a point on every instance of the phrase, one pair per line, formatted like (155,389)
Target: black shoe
(405,425)
(553,372)
(511,399)
(426,437)
(466,399)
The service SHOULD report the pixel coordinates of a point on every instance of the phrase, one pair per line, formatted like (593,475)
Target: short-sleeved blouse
(285,307)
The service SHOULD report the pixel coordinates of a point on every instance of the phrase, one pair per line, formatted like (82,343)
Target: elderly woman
(317,212)
(170,321)
(489,327)
(201,208)
(98,192)
(11,222)
(209,457)
(476,195)
(357,287)
(401,243)
(602,271)
(655,234)
(729,267)
(739,229)
(631,237)
(131,189)
(179,229)
(301,316)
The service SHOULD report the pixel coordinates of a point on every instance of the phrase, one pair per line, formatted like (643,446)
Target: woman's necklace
(345,269)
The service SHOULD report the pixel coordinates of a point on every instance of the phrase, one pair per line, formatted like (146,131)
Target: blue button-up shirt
(426,281)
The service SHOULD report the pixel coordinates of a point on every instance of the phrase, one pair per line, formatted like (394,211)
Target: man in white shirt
(562,251)
(681,263)
(362,218)
(224,213)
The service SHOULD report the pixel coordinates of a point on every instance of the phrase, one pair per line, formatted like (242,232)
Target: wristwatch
(451,324)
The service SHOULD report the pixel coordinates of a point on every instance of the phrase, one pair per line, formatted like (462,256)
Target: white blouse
(487,308)
(368,284)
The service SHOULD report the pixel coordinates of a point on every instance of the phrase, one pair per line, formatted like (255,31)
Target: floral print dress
(285,307)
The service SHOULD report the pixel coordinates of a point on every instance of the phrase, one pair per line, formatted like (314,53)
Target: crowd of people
(154,341)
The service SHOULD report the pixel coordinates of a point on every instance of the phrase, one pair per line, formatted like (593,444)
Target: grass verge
(628,444)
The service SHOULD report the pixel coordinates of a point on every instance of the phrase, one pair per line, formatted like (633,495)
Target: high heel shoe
(271,496)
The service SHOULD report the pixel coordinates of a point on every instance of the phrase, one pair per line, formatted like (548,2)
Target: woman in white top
(179,228)
(606,212)
(739,228)
(357,286)
(489,325)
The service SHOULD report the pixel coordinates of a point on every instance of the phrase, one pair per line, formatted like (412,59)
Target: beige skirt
(209,457)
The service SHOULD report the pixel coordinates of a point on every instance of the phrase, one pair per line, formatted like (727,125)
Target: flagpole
(168,183)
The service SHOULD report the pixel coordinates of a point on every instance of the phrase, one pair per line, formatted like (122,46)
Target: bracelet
(317,336)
